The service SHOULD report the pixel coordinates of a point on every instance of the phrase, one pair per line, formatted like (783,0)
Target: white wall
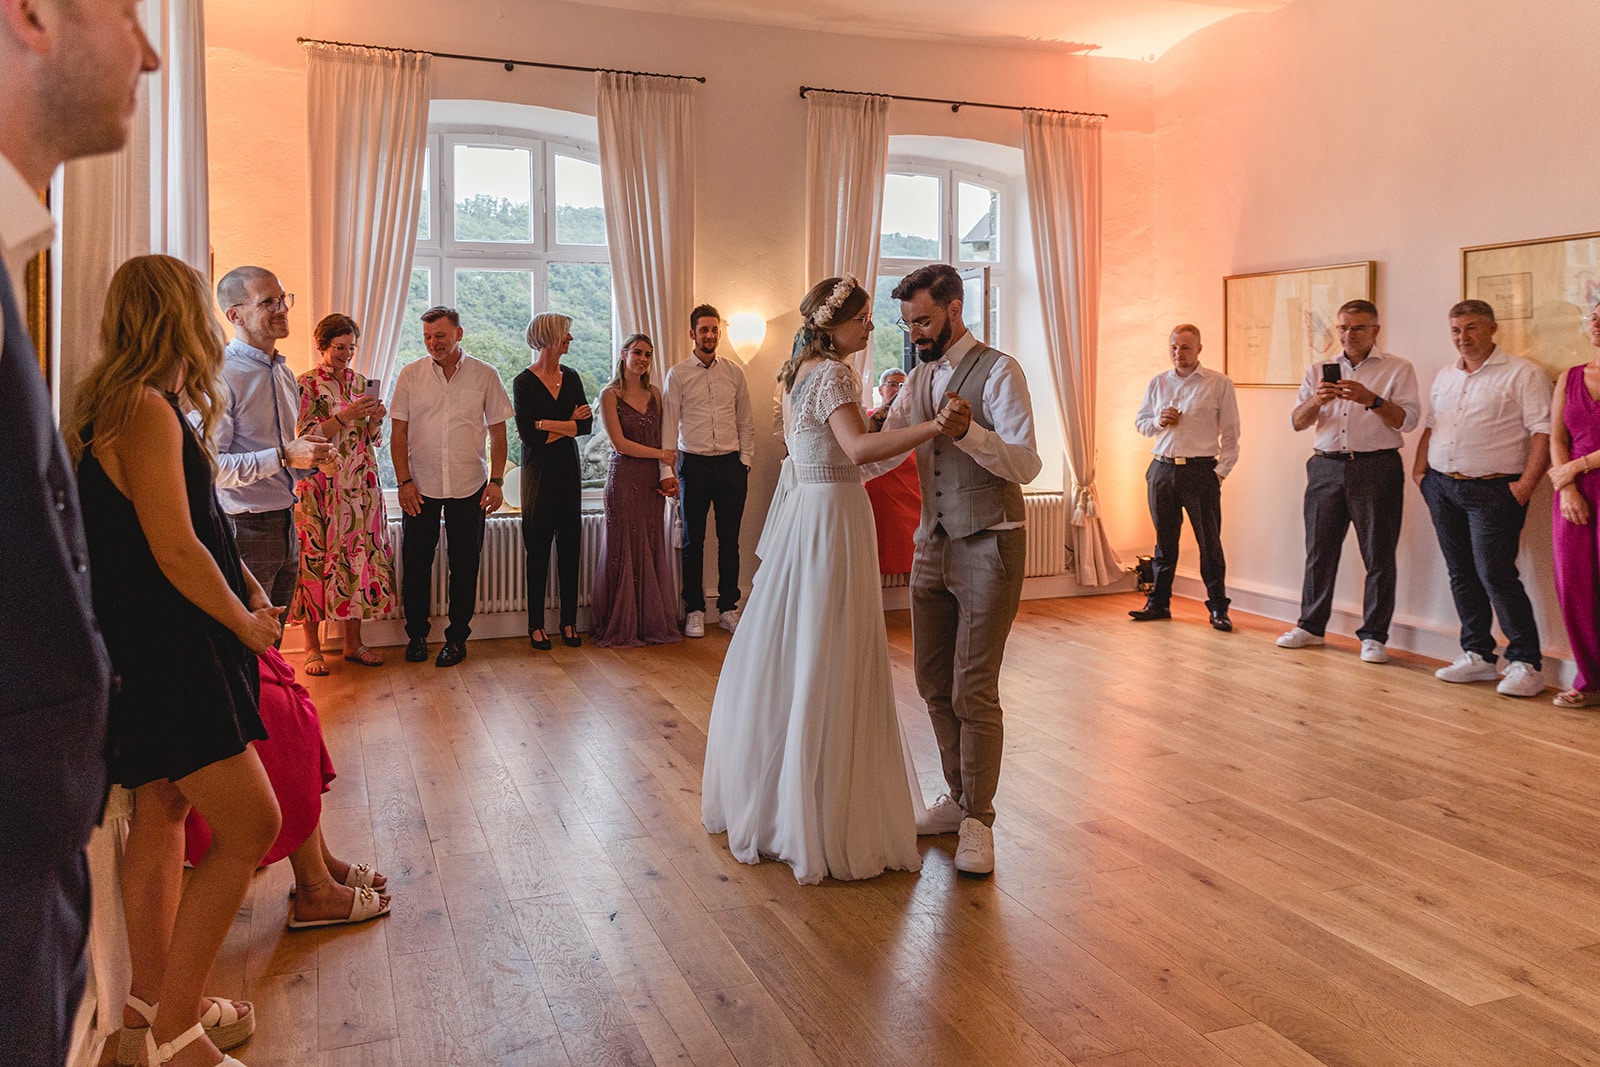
(750,247)
(1340,130)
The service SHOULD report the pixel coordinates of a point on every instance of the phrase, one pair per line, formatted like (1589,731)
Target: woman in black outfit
(552,413)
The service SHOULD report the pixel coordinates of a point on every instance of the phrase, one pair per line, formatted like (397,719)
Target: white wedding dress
(805,760)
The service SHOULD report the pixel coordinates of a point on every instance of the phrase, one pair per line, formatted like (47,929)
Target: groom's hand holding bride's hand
(954,418)
(669,487)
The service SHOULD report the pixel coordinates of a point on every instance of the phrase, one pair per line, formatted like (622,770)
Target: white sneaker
(1373,652)
(694,624)
(729,619)
(1521,680)
(1298,638)
(975,850)
(1469,667)
(944,817)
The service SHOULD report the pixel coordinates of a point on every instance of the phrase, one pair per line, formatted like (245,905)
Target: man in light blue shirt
(258,452)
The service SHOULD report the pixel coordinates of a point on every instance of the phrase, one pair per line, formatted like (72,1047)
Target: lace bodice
(813,449)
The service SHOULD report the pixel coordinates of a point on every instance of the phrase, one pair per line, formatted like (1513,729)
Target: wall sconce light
(746,332)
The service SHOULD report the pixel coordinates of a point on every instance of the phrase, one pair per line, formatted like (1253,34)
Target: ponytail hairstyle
(830,302)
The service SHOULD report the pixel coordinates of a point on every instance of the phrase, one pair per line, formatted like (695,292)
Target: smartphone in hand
(1331,372)
(374,388)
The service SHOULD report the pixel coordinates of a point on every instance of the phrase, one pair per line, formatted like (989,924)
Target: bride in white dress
(804,757)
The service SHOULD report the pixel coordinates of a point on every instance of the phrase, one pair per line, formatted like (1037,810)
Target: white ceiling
(1121,29)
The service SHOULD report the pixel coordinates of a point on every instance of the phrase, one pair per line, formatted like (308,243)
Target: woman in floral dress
(346,566)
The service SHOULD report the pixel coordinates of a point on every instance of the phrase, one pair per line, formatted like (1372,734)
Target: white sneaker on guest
(1521,680)
(1468,667)
(729,619)
(1298,638)
(1373,651)
(975,850)
(694,624)
(944,816)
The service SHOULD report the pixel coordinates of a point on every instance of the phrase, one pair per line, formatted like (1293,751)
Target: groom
(966,579)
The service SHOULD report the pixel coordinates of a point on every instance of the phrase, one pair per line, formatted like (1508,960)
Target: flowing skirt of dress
(805,760)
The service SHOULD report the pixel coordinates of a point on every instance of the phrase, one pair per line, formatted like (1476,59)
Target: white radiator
(503,581)
(503,567)
(1047,539)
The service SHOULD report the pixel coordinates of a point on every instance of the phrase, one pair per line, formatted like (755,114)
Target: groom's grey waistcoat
(957,493)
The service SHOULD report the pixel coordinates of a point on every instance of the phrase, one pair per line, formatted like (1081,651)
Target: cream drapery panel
(847,154)
(367,131)
(1061,155)
(647,153)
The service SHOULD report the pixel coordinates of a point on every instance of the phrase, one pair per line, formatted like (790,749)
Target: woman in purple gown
(1575,522)
(635,597)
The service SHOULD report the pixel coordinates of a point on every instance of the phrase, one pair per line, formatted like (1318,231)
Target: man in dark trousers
(71,69)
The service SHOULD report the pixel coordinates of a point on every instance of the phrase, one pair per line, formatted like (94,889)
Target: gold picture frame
(1277,323)
(1540,291)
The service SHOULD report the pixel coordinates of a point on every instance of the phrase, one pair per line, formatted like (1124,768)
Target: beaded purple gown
(635,597)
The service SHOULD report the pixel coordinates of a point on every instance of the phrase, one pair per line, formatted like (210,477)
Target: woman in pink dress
(346,566)
(1575,518)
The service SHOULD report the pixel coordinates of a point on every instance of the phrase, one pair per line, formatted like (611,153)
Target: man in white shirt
(1359,405)
(966,577)
(71,70)
(706,410)
(445,408)
(1194,417)
(1485,448)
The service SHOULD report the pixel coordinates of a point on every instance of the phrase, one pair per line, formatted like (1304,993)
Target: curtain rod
(957,105)
(509,64)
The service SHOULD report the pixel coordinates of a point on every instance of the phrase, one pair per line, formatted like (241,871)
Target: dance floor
(1210,851)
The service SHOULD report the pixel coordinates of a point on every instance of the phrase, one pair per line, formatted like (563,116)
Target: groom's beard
(931,348)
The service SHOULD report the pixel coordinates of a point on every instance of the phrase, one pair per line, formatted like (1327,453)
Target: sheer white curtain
(847,153)
(647,152)
(1061,154)
(367,128)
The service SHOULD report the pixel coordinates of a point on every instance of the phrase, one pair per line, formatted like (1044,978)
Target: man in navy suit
(71,69)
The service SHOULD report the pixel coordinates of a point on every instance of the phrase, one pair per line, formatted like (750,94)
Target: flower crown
(830,307)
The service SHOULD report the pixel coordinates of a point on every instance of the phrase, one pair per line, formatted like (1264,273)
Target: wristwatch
(1377,402)
(497,481)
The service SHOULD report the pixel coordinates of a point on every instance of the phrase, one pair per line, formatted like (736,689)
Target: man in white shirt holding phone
(1359,405)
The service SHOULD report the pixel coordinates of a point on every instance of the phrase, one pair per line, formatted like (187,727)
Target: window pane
(910,217)
(890,347)
(494,193)
(977,219)
(580,210)
(583,290)
(424,215)
(495,307)
(419,298)
(972,301)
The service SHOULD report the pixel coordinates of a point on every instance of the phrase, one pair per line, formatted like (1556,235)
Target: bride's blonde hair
(830,302)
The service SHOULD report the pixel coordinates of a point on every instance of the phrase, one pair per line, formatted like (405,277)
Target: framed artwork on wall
(1540,291)
(1277,323)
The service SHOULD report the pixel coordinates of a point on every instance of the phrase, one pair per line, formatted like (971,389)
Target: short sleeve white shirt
(447,423)
(1481,421)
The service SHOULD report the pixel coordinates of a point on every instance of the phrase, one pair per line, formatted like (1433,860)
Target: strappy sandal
(1577,698)
(366,657)
(164,1053)
(365,905)
(316,666)
(358,876)
(222,1022)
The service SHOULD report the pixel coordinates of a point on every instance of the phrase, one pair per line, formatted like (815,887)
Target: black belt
(1185,461)
(1348,456)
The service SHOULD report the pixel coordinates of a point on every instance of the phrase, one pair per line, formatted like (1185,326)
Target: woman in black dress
(183,621)
(552,413)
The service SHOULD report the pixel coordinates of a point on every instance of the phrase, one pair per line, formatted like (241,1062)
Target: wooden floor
(1211,851)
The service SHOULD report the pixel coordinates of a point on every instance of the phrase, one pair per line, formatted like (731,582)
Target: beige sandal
(222,1022)
(1577,698)
(366,657)
(316,666)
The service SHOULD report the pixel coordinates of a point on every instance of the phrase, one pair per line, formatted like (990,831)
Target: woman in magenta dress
(346,566)
(635,597)
(1575,518)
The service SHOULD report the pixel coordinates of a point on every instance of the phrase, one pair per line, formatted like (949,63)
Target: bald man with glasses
(259,456)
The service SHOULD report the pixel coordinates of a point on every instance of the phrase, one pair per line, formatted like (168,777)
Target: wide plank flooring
(1211,852)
